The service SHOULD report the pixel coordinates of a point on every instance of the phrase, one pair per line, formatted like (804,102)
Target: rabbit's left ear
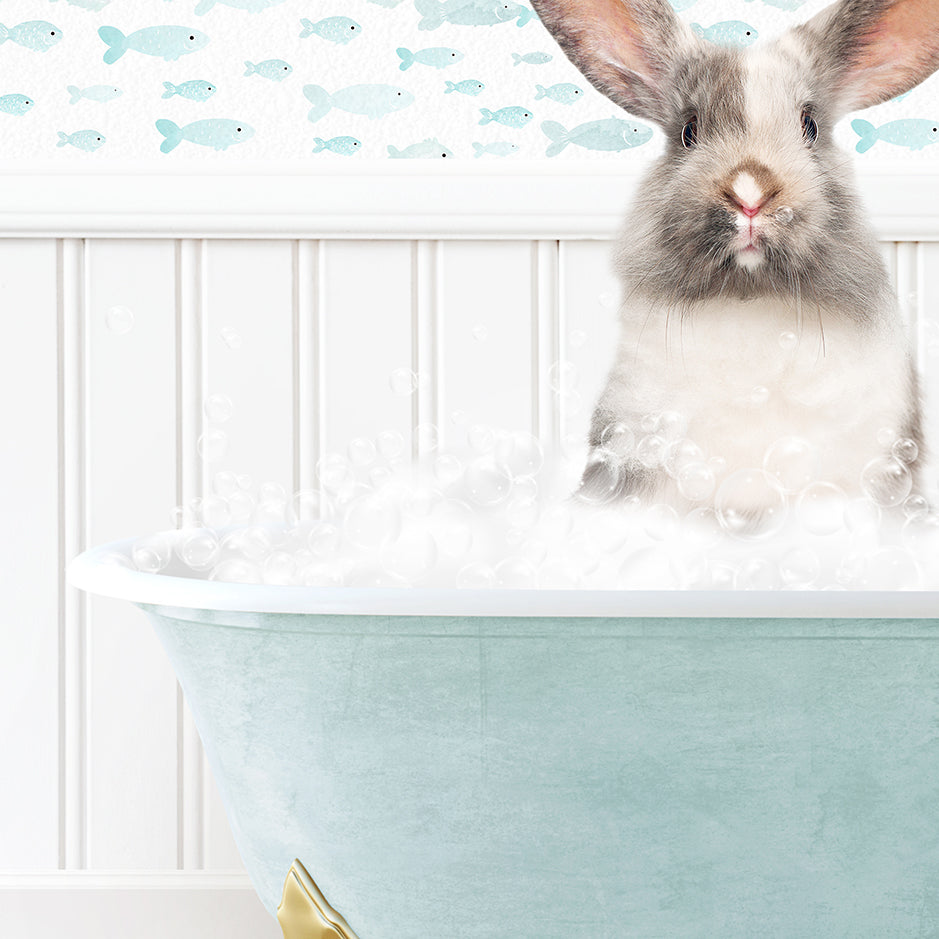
(874,50)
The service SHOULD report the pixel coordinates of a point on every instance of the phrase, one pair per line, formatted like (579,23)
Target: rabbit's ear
(626,48)
(874,50)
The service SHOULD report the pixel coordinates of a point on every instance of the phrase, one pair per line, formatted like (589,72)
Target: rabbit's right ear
(626,48)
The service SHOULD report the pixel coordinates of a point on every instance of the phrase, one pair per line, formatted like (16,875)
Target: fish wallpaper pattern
(150,81)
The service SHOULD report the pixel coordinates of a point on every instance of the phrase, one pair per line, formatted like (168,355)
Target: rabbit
(758,328)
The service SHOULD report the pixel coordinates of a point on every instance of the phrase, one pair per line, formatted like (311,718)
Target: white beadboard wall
(476,281)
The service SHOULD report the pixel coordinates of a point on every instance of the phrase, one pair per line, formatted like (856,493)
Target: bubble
(520,452)
(252,542)
(453,528)
(412,555)
(749,505)
(672,425)
(905,450)
(231,338)
(279,568)
(271,511)
(788,340)
(893,568)
(476,576)
(799,567)
(333,471)
(151,554)
(886,481)
(403,382)
(236,571)
(759,395)
(601,480)
(390,444)
(554,575)
(320,575)
(784,215)
(887,436)
(375,580)
(791,463)
(481,438)
(701,529)
(244,481)
(119,320)
(556,522)
(458,417)
(116,559)
(516,573)
(660,522)
(241,505)
(696,481)
(562,376)
(821,507)
(218,408)
(212,445)
(862,517)
(916,507)
(679,453)
(522,513)
(525,488)
(651,450)
(488,481)
(576,338)
(308,505)
(361,451)
(447,469)
(921,535)
(324,540)
(618,438)
(371,520)
(757,573)
(480,333)
(225,483)
(427,436)
(534,549)
(650,568)
(216,512)
(421,499)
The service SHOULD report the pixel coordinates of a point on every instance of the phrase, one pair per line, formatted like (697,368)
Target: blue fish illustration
(168,42)
(274,69)
(510,117)
(728,33)
(435,13)
(469,87)
(343,145)
(531,58)
(101,93)
(195,90)
(15,104)
(373,101)
(217,133)
(438,57)
(610,134)
(37,35)
(429,149)
(249,6)
(339,29)
(563,93)
(914,133)
(87,140)
(499,148)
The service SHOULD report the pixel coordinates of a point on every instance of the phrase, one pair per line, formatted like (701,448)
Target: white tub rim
(95,572)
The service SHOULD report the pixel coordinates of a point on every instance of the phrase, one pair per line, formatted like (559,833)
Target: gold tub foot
(304,913)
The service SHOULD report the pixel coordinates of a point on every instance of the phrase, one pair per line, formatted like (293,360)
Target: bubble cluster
(497,512)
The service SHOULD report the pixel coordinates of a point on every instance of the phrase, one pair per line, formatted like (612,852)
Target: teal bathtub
(552,764)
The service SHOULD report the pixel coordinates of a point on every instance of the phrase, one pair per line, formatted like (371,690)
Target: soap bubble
(225,483)
(679,453)
(481,438)
(412,555)
(480,333)
(893,568)
(651,450)
(319,575)
(650,568)
(453,528)
(476,576)
(799,567)
(216,512)
(458,417)
(701,529)
(660,522)
(119,320)
(886,481)
(916,507)
(862,517)
(447,469)
(427,436)
(758,573)
(556,522)
(522,513)
(151,554)
(308,505)
(905,450)
(371,520)
(212,445)
(252,542)
(554,575)
(279,568)
(516,573)
(236,571)
(921,535)
(488,481)
(618,438)
(759,395)
(792,463)
(696,481)
(333,471)
(420,499)
(218,408)
(562,376)
(601,480)
(231,338)
(271,511)
(520,453)
(788,340)
(324,540)
(390,444)
(784,215)
(821,508)
(672,425)
(241,505)
(361,451)
(525,488)
(403,381)
(887,436)
(749,505)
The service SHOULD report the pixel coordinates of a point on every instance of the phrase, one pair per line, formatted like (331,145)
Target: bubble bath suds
(498,514)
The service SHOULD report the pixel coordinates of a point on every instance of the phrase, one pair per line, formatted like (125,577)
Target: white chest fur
(743,374)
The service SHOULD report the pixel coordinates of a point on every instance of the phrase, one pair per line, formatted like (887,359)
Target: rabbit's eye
(689,133)
(809,127)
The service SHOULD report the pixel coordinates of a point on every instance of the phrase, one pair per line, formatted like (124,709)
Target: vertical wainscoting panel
(366,336)
(589,301)
(29,611)
(486,319)
(927,351)
(131,470)
(248,325)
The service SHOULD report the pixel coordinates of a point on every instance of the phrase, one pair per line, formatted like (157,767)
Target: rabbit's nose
(749,187)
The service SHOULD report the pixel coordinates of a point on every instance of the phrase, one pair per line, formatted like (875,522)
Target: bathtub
(431,764)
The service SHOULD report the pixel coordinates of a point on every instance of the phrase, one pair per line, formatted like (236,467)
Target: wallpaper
(156,81)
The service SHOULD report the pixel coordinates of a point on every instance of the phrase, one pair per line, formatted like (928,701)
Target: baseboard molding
(118,905)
